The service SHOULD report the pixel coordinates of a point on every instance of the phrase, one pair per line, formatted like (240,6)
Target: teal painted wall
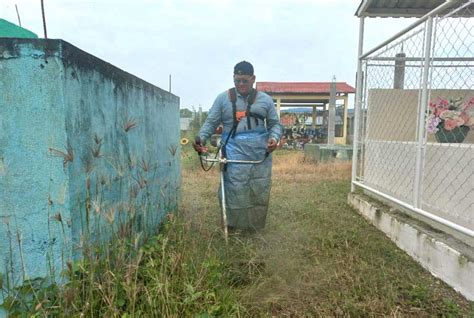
(88,152)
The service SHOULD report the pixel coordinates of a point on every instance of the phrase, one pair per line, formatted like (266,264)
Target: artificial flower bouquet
(450,119)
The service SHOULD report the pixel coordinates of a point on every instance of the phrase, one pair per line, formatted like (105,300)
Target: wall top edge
(11,48)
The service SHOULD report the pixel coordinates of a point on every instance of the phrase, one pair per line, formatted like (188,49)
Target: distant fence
(407,152)
(88,152)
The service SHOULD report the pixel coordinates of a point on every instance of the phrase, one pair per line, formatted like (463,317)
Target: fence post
(399,75)
(420,131)
(358,98)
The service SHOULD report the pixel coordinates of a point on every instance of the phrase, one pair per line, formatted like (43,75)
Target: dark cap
(243,68)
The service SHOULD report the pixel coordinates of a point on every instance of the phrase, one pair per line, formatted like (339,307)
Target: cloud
(199,41)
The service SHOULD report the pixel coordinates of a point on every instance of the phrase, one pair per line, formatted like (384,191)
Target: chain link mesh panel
(393,77)
(392,105)
(448,175)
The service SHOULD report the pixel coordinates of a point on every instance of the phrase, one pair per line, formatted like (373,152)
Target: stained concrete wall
(86,149)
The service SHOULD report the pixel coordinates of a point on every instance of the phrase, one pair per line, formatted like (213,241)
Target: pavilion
(309,94)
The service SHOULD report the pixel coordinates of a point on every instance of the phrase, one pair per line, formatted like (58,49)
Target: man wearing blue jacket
(251,131)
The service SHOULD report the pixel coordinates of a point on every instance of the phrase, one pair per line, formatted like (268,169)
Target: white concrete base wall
(442,260)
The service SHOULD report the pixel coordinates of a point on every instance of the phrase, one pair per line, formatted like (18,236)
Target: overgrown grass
(316,257)
(320,257)
(175,274)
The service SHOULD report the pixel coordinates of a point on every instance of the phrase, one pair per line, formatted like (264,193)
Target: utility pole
(44,20)
(18,15)
(200,116)
(169,90)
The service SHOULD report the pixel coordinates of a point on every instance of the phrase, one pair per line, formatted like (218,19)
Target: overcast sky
(199,41)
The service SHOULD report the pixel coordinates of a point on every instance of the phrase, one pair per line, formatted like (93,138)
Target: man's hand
(198,145)
(272,144)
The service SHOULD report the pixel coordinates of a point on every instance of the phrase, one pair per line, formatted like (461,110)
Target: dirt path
(317,257)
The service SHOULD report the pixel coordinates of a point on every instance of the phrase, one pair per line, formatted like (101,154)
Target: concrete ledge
(446,258)
(323,152)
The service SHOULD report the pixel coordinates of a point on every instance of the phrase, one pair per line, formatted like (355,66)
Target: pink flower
(442,113)
(465,117)
(443,101)
(450,124)
(469,106)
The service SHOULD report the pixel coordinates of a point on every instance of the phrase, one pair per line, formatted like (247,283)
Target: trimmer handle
(197,140)
(198,146)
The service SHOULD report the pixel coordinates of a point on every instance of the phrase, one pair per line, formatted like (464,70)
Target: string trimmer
(222,160)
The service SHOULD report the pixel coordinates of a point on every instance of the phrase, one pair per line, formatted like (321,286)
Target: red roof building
(303,87)
(309,94)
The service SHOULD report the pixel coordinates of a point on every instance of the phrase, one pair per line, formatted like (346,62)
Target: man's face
(244,83)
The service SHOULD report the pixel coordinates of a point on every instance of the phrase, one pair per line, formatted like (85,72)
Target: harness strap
(233,99)
(232,93)
(255,115)
(250,101)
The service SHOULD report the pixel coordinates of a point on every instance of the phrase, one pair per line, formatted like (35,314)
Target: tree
(185,113)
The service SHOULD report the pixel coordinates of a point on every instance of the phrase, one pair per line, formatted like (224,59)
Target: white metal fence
(414,138)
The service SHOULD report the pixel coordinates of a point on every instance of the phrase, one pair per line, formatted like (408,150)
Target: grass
(316,257)
(321,258)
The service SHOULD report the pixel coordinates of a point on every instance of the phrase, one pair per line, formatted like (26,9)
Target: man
(251,131)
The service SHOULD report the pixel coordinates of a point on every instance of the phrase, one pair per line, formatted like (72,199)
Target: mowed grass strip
(317,256)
